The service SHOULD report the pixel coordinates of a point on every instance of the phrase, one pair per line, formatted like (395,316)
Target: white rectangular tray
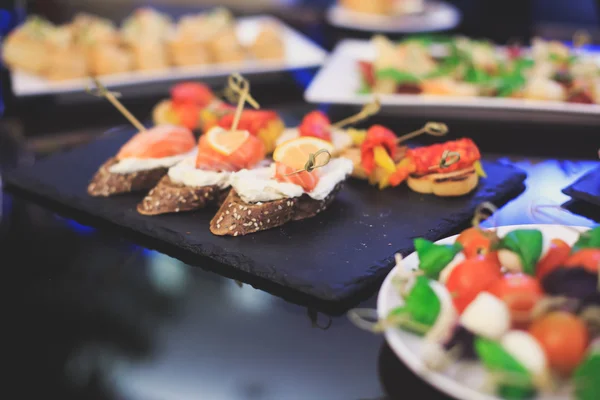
(338,82)
(300,52)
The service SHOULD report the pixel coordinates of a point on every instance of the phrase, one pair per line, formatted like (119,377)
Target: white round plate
(463,380)
(437,16)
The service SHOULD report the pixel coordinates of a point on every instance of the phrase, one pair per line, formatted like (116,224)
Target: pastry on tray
(269,44)
(288,190)
(202,179)
(143,161)
(146,33)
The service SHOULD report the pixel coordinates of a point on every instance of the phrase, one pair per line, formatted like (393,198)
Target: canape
(266,198)
(143,161)
(145,32)
(203,178)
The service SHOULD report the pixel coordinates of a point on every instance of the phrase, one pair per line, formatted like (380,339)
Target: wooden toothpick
(368,110)
(102,91)
(239,85)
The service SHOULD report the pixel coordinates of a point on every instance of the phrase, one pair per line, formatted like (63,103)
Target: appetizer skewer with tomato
(196,107)
(317,124)
(525,306)
(448,169)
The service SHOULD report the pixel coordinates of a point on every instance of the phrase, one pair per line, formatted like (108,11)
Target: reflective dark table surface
(99,317)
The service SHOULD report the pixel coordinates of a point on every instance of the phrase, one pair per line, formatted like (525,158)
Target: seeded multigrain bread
(169,197)
(106,183)
(238,218)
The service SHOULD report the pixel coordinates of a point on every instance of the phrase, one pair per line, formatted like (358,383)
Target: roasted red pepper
(316,124)
(377,135)
(427,160)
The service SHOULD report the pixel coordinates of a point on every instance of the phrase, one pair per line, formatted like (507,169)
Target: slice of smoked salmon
(307,180)
(250,153)
(158,142)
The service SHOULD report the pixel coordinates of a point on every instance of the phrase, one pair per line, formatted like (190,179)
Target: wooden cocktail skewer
(368,110)
(102,91)
(430,128)
(311,164)
(240,86)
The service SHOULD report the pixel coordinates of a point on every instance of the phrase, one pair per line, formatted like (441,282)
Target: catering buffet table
(101,316)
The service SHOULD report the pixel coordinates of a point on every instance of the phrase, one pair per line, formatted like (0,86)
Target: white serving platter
(338,82)
(300,52)
(436,16)
(463,380)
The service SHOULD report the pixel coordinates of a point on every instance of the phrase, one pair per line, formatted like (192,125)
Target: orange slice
(295,152)
(224,141)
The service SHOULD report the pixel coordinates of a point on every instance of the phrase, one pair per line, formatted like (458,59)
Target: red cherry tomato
(316,124)
(520,292)
(188,115)
(377,135)
(474,242)
(564,338)
(192,93)
(469,278)
(557,254)
(586,258)
(367,72)
(514,52)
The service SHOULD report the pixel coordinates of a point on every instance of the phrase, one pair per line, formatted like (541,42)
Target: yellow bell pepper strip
(358,136)
(479,169)
(383,159)
(377,135)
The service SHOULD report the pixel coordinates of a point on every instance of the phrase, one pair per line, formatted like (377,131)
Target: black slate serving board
(332,258)
(586,188)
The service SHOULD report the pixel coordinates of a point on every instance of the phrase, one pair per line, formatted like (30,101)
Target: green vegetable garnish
(433,258)
(397,75)
(495,359)
(421,308)
(588,239)
(527,244)
(586,377)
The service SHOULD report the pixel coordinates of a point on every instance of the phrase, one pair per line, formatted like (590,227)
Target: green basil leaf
(433,258)
(422,303)
(588,239)
(527,244)
(585,378)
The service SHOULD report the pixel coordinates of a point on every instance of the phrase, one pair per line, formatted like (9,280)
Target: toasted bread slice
(238,218)
(106,183)
(449,184)
(171,197)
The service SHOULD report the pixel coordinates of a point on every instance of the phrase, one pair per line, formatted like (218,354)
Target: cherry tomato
(557,254)
(188,115)
(520,292)
(514,52)
(192,93)
(469,278)
(588,258)
(316,124)
(474,242)
(564,338)
(367,72)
